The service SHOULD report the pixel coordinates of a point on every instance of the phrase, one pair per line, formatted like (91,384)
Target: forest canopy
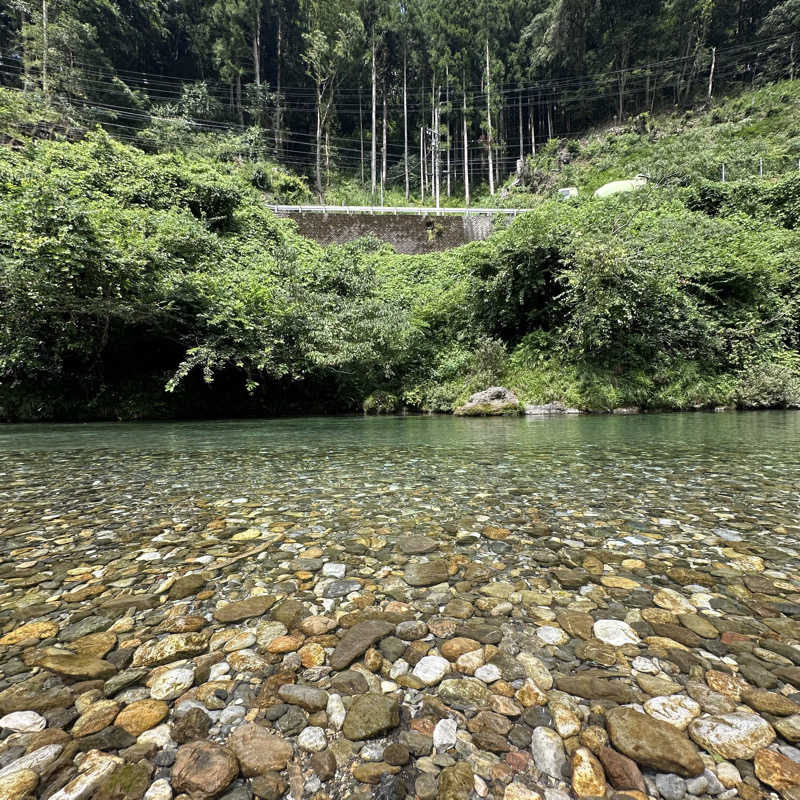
(426,95)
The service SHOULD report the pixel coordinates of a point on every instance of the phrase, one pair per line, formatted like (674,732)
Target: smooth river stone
(371,715)
(677,710)
(615,632)
(203,770)
(426,573)
(244,609)
(173,647)
(358,640)
(23,722)
(737,735)
(84,667)
(259,750)
(653,743)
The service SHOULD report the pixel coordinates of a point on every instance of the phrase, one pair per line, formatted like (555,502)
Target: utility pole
(374,154)
(405,120)
(489,118)
(434,134)
(45,47)
(466,147)
(711,72)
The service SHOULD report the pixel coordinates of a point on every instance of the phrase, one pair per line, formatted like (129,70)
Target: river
(340,595)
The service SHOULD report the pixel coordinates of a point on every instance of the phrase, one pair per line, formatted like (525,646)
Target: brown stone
(453,648)
(99,715)
(777,770)
(371,772)
(73,666)
(258,750)
(244,609)
(653,743)
(621,771)
(203,770)
(588,778)
(141,716)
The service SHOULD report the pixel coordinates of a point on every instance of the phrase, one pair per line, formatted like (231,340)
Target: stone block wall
(407,233)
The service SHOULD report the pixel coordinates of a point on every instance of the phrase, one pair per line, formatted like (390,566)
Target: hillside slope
(756,131)
(136,284)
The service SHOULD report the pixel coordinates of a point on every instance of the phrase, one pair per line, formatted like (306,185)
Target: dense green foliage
(754,133)
(332,87)
(142,284)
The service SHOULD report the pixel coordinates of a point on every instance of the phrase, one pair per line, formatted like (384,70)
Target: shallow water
(624,482)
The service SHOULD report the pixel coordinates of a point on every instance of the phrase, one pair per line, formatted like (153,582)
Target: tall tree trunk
(433,141)
(532,115)
(45,47)
(711,72)
(278,107)
(318,163)
(239,98)
(383,141)
(361,135)
(466,145)
(447,107)
(257,46)
(549,118)
(373,166)
(405,123)
(489,119)
(422,164)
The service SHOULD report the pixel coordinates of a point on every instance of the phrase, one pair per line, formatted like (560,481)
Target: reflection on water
(626,481)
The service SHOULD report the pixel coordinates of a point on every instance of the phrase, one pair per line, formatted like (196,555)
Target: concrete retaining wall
(407,233)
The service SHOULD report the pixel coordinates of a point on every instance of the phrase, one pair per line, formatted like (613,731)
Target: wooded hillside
(430,97)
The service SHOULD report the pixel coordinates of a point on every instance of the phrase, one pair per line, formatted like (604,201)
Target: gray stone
(371,715)
(357,641)
(426,573)
(670,786)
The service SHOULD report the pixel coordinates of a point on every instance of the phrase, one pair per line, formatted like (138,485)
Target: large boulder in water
(496,401)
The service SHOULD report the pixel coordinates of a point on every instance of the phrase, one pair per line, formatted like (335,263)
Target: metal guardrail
(395,210)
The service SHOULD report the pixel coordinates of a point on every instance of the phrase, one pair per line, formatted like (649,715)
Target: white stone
(232,714)
(468,663)
(400,667)
(615,632)
(218,670)
(39,760)
(94,769)
(431,669)
(159,790)
(158,736)
(673,601)
(548,752)
(333,570)
(312,739)
(488,673)
(536,670)
(736,735)
(23,722)
(172,684)
(645,665)
(336,711)
(728,775)
(268,630)
(371,751)
(444,734)
(518,791)
(566,723)
(676,709)
(549,634)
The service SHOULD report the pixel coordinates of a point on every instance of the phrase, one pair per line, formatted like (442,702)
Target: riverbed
(343,606)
